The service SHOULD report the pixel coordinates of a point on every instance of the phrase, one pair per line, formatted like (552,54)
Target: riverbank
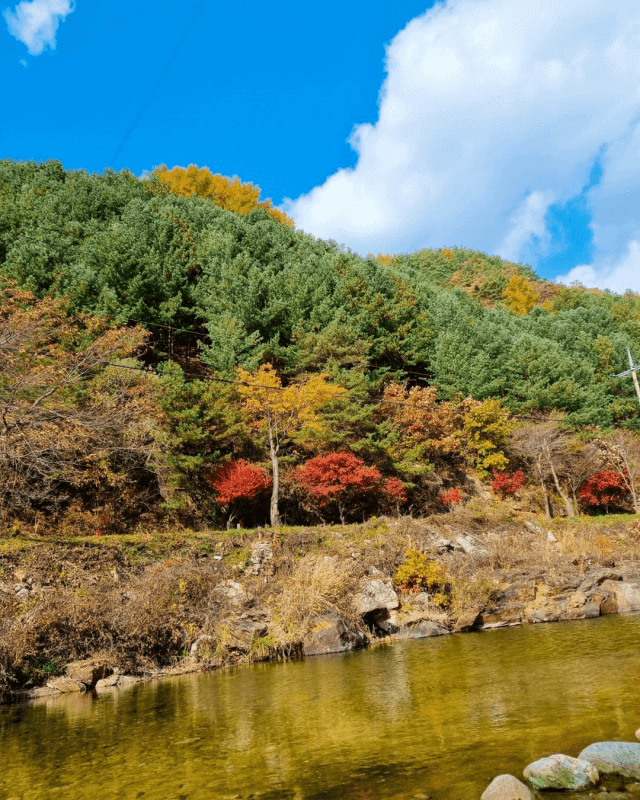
(149,604)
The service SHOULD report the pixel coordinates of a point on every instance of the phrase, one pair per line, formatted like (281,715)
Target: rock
(468,621)
(248,627)
(23,594)
(420,599)
(118,574)
(330,633)
(444,545)
(614,758)
(596,577)
(43,691)
(506,787)
(104,683)
(625,597)
(128,680)
(261,559)
(64,684)
(467,545)
(638,734)
(419,629)
(88,672)
(561,772)
(376,595)
(232,591)
(551,539)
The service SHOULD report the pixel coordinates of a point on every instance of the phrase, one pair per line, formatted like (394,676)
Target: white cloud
(623,275)
(490,111)
(35,23)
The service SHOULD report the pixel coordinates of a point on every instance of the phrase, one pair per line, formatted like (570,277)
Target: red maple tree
(505,484)
(604,488)
(239,480)
(344,480)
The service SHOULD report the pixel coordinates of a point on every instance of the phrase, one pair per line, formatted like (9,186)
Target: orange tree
(281,414)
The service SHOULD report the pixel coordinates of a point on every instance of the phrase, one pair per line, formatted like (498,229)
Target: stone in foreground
(331,634)
(561,772)
(614,758)
(506,787)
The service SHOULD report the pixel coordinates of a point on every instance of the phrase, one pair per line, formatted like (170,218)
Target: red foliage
(505,484)
(395,490)
(604,488)
(239,480)
(335,475)
(451,497)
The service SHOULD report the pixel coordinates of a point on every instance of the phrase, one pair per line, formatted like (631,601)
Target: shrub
(417,574)
(239,480)
(451,497)
(505,484)
(604,488)
(394,490)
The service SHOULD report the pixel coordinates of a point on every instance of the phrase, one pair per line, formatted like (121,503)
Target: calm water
(438,718)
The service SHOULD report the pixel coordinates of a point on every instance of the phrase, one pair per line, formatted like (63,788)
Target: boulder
(247,627)
(64,684)
(614,758)
(419,629)
(105,683)
(506,787)
(625,597)
(561,772)
(88,672)
(376,595)
(330,633)
(638,734)
(468,621)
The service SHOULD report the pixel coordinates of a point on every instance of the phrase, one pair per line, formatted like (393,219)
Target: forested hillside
(353,385)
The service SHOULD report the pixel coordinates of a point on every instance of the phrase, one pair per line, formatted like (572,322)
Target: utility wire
(163,75)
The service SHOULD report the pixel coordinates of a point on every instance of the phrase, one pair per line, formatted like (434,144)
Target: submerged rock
(614,758)
(561,772)
(506,787)
(330,633)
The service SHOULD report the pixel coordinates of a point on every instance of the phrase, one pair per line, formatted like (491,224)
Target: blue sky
(508,127)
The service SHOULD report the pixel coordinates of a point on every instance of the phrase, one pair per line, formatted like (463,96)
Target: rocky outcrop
(418,629)
(614,758)
(624,597)
(66,685)
(506,787)
(561,772)
(330,633)
(88,672)
(376,596)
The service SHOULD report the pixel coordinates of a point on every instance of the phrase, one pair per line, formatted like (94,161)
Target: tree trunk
(565,497)
(545,493)
(275,471)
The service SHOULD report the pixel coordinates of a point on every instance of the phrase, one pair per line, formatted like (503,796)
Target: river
(433,718)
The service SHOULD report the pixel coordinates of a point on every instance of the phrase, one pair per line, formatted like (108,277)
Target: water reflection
(439,717)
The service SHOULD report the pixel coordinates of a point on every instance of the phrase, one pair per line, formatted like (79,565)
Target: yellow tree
(520,296)
(283,412)
(228,193)
(486,429)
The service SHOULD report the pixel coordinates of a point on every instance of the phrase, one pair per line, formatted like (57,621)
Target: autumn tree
(621,453)
(520,295)
(237,483)
(283,413)
(77,417)
(339,479)
(228,193)
(485,431)
(604,488)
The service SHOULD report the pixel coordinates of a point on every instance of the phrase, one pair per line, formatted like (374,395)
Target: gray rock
(596,577)
(24,594)
(614,758)
(248,627)
(261,559)
(561,772)
(444,545)
(506,787)
(551,539)
(467,545)
(626,597)
(128,680)
(105,683)
(420,629)
(330,633)
(232,591)
(376,595)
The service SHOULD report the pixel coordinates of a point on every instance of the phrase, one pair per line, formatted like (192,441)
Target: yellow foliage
(385,258)
(285,410)
(448,254)
(520,296)
(486,428)
(228,193)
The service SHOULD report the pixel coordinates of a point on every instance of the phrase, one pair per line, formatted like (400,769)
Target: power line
(163,75)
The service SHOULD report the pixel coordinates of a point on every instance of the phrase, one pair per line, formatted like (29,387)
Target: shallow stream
(433,718)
